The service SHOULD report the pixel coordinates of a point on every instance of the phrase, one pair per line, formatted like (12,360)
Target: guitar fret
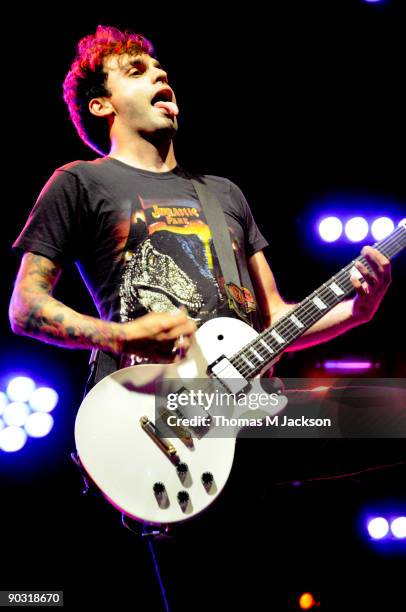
(273,340)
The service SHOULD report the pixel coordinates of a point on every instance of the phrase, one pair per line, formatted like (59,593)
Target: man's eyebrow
(137,60)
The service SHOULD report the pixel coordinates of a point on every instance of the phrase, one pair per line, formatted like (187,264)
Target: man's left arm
(344,316)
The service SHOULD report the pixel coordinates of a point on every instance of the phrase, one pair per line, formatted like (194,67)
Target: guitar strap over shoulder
(218,227)
(240,299)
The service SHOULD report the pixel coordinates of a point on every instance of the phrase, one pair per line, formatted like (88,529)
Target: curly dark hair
(86,79)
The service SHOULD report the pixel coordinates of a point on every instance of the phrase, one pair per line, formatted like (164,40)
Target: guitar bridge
(165,446)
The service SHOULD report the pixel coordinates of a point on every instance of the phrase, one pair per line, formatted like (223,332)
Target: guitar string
(285,325)
(306,316)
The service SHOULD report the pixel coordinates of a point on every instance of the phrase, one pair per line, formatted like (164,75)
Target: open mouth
(164,95)
(163,100)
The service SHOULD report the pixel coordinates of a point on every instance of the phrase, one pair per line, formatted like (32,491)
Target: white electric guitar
(160,479)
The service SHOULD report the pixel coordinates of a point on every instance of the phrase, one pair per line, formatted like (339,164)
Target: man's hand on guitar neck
(375,283)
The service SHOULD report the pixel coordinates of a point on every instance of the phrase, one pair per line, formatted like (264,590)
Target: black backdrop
(293,101)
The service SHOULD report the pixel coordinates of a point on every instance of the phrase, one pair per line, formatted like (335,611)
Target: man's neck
(145,156)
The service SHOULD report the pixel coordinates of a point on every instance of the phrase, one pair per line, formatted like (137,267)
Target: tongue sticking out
(171,107)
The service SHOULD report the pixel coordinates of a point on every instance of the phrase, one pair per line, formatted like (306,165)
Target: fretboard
(268,345)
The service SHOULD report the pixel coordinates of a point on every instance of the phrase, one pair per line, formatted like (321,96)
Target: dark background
(298,103)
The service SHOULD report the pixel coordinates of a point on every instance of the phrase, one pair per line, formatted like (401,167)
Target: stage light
(330,229)
(382,227)
(350,366)
(20,389)
(39,424)
(356,229)
(44,399)
(402,222)
(12,439)
(306,601)
(3,401)
(16,414)
(398,527)
(24,411)
(378,528)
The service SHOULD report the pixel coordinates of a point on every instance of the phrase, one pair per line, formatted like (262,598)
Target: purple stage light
(12,439)
(356,229)
(44,399)
(20,389)
(330,229)
(348,365)
(382,227)
(378,528)
(398,527)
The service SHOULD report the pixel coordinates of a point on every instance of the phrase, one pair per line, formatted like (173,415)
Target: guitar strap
(239,298)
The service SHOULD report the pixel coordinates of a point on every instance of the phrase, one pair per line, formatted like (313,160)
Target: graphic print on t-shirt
(169,261)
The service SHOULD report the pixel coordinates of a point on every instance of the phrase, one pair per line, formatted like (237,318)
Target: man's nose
(161,76)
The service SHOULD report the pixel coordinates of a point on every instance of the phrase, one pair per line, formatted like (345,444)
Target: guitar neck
(274,340)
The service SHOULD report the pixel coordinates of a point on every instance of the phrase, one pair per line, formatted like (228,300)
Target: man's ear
(101,107)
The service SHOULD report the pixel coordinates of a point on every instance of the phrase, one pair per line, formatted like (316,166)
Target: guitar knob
(159,488)
(207,479)
(182,469)
(183,498)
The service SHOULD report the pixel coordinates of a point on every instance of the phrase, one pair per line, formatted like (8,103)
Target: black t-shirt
(140,239)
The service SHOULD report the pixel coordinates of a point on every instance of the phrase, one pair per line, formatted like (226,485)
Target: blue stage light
(12,439)
(20,389)
(398,527)
(16,414)
(44,399)
(382,227)
(39,424)
(378,528)
(356,229)
(24,411)
(3,401)
(330,229)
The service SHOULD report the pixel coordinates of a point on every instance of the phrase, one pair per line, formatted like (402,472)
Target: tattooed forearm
(55,323)
(34,312)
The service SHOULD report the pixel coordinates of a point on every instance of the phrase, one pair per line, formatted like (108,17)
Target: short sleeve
(254,239)
(55,226)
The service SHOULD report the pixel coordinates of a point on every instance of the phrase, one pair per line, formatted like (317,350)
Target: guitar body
(125,463)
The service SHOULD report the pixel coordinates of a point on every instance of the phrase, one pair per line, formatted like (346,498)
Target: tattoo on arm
(36,313)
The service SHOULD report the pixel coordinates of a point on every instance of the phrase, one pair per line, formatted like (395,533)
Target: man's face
(134,82)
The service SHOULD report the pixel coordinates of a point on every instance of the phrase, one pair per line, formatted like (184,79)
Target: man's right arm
(34,312)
